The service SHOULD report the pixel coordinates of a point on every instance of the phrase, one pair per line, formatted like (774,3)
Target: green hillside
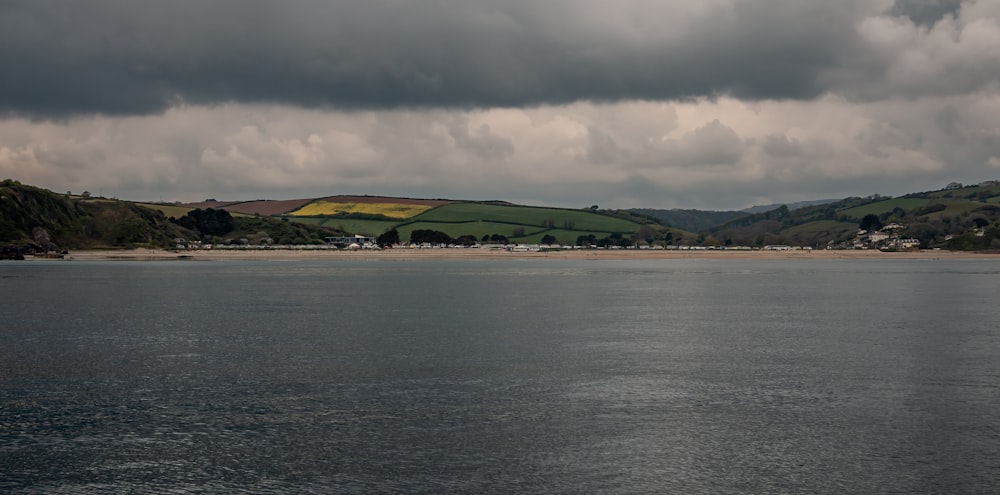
(521,224)
(527,216)
(348,224)
(952,218)
(955,217)
(40,219)
(691,220)
(883,207)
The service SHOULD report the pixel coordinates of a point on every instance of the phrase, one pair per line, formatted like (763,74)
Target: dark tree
(870,222)
(586,240)
(421,236)
(549,239)
(388,238)
(466,240)
(208,221)
(647,233)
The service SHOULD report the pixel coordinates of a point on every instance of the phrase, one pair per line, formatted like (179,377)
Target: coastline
(143,254)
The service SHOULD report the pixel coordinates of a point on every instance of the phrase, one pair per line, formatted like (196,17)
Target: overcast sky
(710,104)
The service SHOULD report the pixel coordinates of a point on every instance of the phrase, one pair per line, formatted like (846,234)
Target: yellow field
(391,210)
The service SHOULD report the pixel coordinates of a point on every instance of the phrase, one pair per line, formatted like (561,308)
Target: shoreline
(476,253)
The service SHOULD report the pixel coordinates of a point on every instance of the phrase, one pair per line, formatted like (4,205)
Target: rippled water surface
(542,376)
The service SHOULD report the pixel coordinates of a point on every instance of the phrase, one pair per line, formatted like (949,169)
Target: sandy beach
(476,253)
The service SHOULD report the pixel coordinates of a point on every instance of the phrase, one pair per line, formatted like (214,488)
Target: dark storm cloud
(925,12)
(131,57)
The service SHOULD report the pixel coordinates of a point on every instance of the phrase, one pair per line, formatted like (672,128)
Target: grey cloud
(128,57)
(780,146)
(900,58)
(712,144)
(481,142)
(601,147)
(705,154)
(925,12)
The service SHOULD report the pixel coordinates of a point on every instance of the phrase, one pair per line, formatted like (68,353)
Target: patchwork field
(952,206)
(169,210)
(375,215)
(330,208)
(887,206)
(543,218)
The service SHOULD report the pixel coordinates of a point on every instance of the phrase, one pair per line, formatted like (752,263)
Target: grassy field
(576,220)
(479,229)
(482,219)
(955,207)
(179,211)
(567,237)
(808,234)
(168,210)
(391,210)
(886,206)
(967,191)
(349,225)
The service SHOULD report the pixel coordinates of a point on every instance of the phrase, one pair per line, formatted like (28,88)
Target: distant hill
(38,218)
(791,206)
(691,220)
(478,220)
(705,220)
(34,219)
(952,218)
(956,217)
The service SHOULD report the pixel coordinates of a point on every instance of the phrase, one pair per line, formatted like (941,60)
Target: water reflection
(538,376)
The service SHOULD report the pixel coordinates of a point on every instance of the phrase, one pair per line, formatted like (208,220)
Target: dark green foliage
(465,240)
(691,220)
(549,239)
(926,210)
(949,223)
(79,223)
(280,232)
(870,222)
(388,238)
(969,241)
(429,236)
(208,222)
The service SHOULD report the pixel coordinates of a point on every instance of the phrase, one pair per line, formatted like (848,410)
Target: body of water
(537,376)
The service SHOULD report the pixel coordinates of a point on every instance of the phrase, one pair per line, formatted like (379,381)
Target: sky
(708,104)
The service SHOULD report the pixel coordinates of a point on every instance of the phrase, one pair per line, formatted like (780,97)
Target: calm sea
(527,376)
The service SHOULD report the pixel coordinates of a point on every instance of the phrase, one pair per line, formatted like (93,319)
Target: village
(887,238)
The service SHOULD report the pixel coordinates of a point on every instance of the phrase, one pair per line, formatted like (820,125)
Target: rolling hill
(952,218)
(33,219)
(956,217)
(375,215)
